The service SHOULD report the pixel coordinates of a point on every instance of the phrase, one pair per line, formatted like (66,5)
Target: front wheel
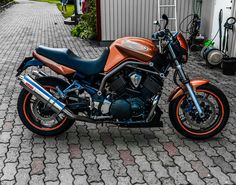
(184,116)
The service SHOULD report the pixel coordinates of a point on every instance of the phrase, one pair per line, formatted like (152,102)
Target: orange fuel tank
(130,48)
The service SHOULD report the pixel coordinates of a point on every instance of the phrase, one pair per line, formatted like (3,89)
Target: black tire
(29,120)
(224,112)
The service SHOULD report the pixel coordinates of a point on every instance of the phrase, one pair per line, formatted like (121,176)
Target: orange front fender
(180,90)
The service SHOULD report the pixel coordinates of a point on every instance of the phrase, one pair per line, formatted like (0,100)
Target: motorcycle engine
(125,109)
(133,94)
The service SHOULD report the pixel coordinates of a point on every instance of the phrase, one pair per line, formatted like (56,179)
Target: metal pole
(75,4)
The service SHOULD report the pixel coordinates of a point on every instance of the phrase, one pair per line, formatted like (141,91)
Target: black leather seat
(67,58)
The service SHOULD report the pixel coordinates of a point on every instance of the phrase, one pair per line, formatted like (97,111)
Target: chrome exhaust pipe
(39,74)
(43,95)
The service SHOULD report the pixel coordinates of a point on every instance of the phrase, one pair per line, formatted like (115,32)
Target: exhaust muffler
(43,95)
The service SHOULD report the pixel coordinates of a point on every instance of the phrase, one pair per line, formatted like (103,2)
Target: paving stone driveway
(89,154)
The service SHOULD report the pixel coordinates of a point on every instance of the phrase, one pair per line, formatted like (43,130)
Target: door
(226,6)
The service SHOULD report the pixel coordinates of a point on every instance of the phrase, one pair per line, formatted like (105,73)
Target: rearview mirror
(165,17)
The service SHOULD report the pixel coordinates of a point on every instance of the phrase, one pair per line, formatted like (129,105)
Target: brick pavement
(89,154)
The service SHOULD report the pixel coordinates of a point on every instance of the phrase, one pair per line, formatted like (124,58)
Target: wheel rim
(41,123)
(215,120)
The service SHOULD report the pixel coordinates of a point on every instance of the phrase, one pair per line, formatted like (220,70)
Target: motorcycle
(122,87)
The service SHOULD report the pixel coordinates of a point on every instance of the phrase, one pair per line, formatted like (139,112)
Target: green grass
(70,8)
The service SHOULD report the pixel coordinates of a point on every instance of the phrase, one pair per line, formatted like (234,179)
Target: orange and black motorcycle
(123,87)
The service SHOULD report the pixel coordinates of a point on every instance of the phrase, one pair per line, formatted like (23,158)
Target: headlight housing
(180,47)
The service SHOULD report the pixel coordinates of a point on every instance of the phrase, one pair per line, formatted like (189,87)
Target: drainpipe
(75,4)
(98,17)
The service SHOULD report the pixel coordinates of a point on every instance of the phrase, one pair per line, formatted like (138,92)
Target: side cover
(130,48)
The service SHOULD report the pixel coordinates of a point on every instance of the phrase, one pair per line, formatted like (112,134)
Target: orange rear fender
(179,91)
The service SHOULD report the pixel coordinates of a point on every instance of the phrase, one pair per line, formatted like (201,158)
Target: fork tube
(186,83)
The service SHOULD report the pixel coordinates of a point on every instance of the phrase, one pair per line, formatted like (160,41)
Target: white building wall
(121,18)
(233,43)
(210,21)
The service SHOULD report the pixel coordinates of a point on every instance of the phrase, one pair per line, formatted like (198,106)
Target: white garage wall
(121,18)
(233,44)
(210,11)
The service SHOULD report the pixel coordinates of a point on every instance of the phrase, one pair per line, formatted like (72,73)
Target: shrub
(86,29)
(3,2)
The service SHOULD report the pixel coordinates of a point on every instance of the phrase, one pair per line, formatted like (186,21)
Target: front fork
(186,82)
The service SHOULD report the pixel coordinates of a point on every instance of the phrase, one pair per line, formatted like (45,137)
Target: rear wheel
(186,121)
(37,116)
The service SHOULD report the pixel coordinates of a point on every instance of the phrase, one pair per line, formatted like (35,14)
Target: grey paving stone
(150,178)
(5,182)
(143,164)
(26,146)
(80,180)
(64,160)
(159,169)
(89,157)
(94,175)
(165,159)
(78,167)
(9,171)
(194,179)
(232,177)
(178,177)
(135,174)
(98,147)
(52,183)
(62,146)
(38,150)
(207,161)
(211,181)
(168,181)
(22,176)
(226,155)
(134,148)
(119,168)
(103,162)
(37,179)
(149,153)
(225,167)
(12,155)
(108,177)
(182,163)
(50,155)
(188,154)
(24,160)
(51,172)
(3,150)
(222,178)
(66,177)
(5,137)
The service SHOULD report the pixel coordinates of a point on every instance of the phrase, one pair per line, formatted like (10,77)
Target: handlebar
(159,34)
